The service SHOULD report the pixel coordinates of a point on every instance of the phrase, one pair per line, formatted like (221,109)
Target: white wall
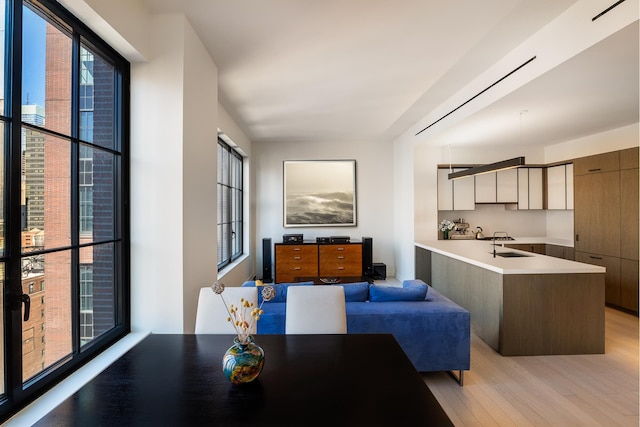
(403,208)
(157,181)
(199,165)
(375,198)
(173,175)
(611,140)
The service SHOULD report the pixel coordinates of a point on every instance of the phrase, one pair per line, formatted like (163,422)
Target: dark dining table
(177,380)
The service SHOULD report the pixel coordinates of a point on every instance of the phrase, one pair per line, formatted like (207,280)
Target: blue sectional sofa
(433,331)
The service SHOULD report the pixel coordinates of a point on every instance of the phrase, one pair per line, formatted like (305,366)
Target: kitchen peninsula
(521,303)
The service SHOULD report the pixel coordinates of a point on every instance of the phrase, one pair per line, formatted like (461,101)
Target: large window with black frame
(230,204)
(64,249)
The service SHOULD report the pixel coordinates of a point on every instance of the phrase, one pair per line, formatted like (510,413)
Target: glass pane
(95,178)
(46,49)
(97,87)
(219,246)
(46,191)
(46,336)
(97,291)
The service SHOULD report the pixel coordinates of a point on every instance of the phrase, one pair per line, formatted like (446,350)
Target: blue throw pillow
(355,292)
(417,292)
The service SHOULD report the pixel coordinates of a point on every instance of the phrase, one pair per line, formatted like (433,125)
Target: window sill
(48,401)
(229,268)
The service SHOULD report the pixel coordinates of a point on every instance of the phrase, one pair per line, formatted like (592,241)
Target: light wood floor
(582,390)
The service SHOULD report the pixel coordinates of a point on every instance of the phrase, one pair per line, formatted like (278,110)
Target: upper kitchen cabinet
(560,187)
(455,194)
(507,186)
(486,188)
(599,163)
(497,187)
(530,192)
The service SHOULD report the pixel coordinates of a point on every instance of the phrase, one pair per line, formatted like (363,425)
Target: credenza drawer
(295,261)
(340,260)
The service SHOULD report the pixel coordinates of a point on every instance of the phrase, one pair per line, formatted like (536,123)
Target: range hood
(493,167)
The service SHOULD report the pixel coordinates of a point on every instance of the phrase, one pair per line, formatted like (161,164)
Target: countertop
(480,253)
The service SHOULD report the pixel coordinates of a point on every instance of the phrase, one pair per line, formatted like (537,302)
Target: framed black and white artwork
(319,193)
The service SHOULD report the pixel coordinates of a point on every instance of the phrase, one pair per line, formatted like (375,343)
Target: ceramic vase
(243,362)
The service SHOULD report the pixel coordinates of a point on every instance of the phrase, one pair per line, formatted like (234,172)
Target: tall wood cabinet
(606,221)
(317,260)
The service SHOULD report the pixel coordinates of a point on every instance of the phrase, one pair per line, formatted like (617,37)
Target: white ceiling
(368,70)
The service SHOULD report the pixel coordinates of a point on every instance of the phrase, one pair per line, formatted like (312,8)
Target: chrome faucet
(494,240)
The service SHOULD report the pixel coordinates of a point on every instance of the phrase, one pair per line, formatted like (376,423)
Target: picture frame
(319,193)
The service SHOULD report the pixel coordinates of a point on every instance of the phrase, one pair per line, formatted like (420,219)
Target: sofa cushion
(356,292)
(413,292)
(280,288)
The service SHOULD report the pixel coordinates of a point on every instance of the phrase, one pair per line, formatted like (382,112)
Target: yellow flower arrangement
(244,315)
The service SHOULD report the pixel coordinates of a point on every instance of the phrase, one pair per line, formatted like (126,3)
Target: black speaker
(367,256)
(266,261)
(379,270)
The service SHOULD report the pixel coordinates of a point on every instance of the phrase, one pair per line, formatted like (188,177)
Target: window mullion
(13,241)
(74,209)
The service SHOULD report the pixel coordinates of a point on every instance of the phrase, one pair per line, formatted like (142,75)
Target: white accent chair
(316,310)
(211,315)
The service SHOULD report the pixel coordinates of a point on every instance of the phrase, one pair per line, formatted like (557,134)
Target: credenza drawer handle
(595,170)
(297,257)
(296,268)
(340,268)
(341,249)
(595,257)
(340,257)
(297,249)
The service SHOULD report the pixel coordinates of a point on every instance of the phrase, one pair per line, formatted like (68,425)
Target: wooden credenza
(314,259)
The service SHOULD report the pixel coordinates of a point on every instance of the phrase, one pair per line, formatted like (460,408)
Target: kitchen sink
(512,255)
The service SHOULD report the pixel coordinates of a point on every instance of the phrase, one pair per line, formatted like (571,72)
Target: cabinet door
(556,187)
(530,192)
(507,186)
(464,194)
(486,188)
(629,211)
(455,194)
(536,192)
(629,284)
(445,191)
(597,213)
(569,185)
(611,277)
(558,251)
(523,188)
(599,163)
(629,158)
